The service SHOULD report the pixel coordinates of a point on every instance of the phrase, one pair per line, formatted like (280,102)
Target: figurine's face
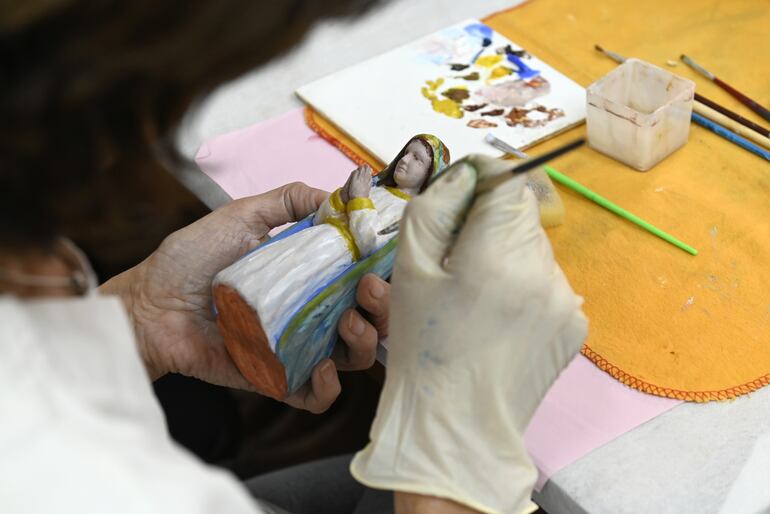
(412,169)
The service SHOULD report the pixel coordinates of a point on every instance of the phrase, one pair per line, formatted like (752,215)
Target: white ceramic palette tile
(414,89)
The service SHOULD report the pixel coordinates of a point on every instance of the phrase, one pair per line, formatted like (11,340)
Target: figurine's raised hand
(168,296)
(345,189)
(360,182)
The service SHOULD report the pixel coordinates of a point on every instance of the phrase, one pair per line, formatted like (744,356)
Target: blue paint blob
(522,70)
(482,33)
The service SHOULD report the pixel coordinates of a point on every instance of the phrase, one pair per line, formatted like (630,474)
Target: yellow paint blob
(434,84)
(500,71)
(488,60)
(447,107)
(444,106)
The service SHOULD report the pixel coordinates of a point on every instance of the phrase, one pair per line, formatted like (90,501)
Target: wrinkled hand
(483,320)
(168,297)
(360,182)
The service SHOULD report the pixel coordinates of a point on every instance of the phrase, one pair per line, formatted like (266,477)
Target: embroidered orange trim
(315,127)
(677,394)
(344,231)
(359,204)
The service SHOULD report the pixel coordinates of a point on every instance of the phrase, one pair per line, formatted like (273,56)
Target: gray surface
(686,460)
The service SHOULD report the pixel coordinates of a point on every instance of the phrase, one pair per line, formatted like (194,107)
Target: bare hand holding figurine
(168,297)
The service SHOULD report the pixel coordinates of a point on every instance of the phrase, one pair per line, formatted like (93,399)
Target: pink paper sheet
(585,408)
(270,154)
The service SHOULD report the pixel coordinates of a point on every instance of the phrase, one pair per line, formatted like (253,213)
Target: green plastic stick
(583,190)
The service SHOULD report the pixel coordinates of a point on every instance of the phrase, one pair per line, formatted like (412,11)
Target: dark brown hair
(91,93)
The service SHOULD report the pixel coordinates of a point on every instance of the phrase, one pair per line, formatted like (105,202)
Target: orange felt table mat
(662,321)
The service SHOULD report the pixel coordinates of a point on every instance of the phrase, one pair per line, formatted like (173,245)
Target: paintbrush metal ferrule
(697,67)
(612,55)
(503,146)
(389,229)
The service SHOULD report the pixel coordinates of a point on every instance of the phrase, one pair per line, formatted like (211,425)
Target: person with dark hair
(91,94)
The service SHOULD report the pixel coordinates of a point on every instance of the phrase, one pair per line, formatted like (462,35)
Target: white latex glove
(482,322)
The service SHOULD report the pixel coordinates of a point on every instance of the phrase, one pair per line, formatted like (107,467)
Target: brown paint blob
(456,94)
(471,108)
(479,123)
(471,76)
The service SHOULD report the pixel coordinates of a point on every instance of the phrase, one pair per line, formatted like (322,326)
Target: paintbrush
(731,136)
(751,104)
(612,55)
(504,147)
(614,208)
(732,115)
(487,185)
(718,117)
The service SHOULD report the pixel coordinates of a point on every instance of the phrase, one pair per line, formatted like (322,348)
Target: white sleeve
(99,444)
(363,222)
(332,207)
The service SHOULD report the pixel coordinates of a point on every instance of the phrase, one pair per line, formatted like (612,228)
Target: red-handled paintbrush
(751,104)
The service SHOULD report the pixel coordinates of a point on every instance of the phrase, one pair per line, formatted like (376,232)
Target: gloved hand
(481,324)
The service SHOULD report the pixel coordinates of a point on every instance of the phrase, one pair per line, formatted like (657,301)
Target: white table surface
(694,458)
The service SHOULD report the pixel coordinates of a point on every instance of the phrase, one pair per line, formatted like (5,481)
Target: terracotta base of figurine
(247,343)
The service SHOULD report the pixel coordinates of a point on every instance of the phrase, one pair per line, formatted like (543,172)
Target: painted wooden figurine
(278,306)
